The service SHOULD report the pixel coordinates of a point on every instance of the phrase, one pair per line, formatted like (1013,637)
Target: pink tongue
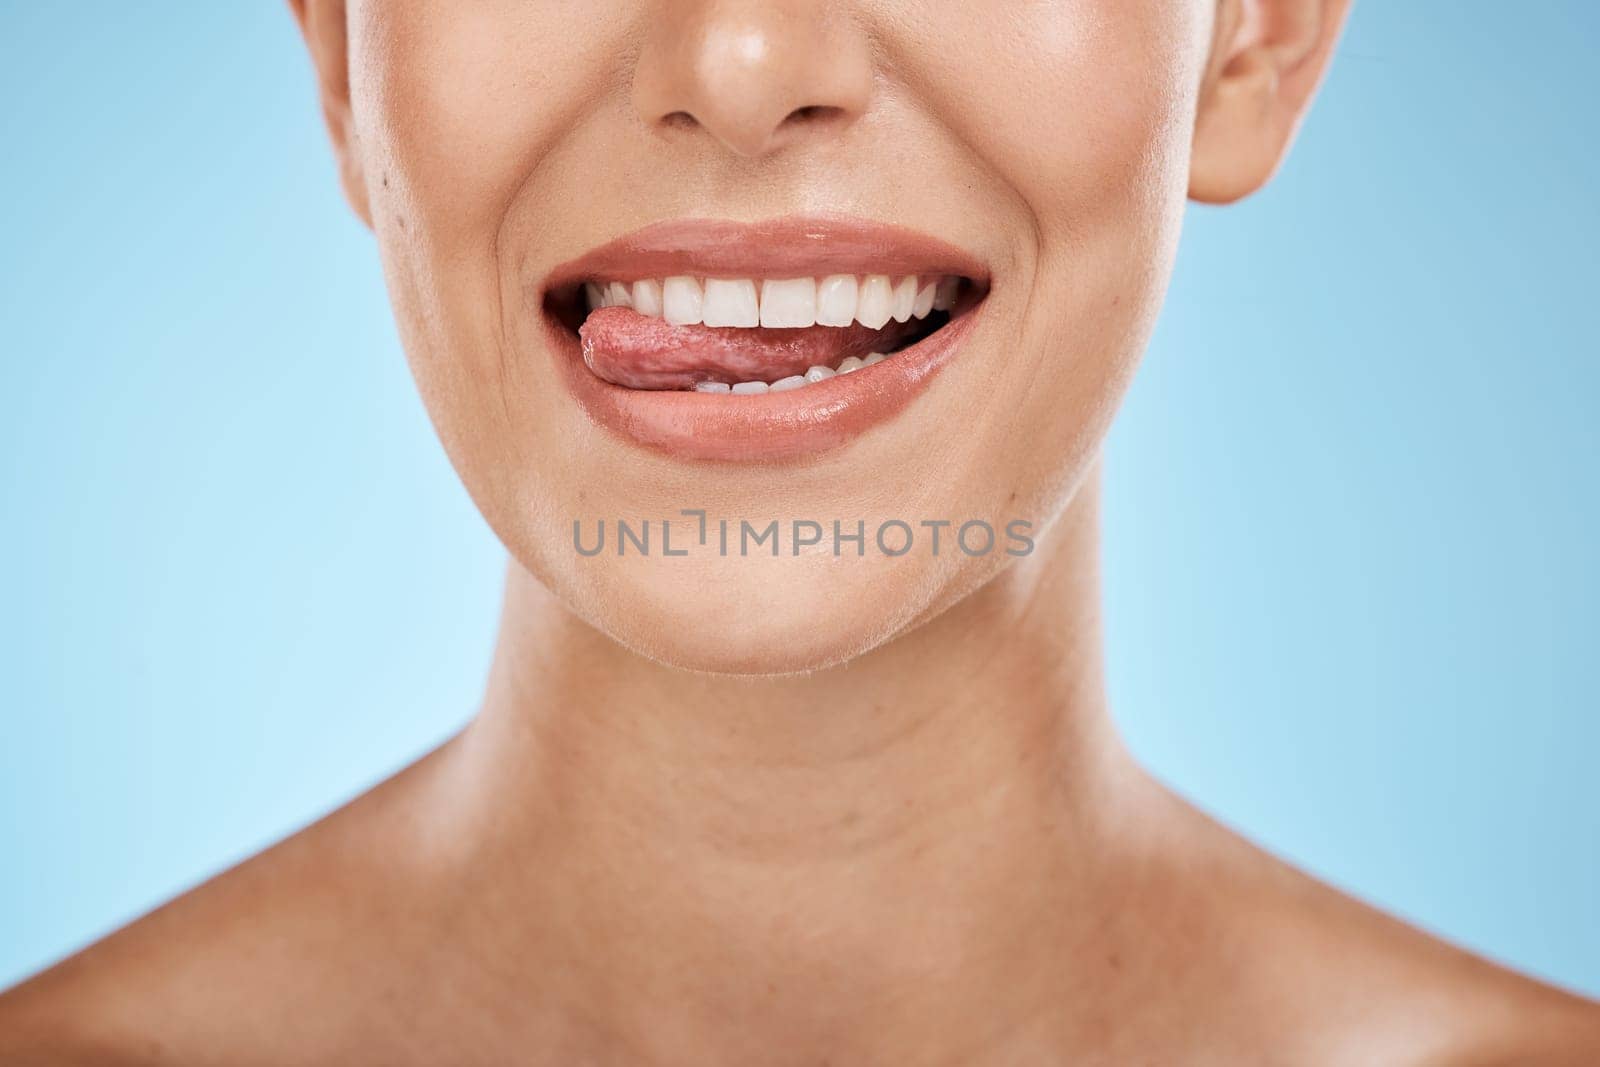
(640,352)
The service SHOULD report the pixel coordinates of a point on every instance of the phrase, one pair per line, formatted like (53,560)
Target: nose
(757,75)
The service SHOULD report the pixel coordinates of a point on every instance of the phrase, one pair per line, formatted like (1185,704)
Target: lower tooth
(794,381)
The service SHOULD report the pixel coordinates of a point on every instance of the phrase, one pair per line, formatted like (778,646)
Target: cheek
(1083,113)
(459,102)
(1079,108)
(456,105)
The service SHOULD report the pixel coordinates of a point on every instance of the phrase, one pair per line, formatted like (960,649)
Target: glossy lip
(771,426)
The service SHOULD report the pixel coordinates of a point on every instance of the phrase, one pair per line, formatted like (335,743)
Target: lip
(770,427)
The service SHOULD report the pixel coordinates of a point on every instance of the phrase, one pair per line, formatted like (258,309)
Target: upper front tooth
(730,302)
(875,302)
(905,298)
(836,300)
(682,301)
(595,293)
(791,303)
(794,303)
(647,297)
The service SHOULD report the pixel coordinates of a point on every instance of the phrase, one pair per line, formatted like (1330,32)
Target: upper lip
(789,247)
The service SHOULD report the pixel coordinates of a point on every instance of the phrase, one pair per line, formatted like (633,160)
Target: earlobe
(1267,59)
(323,25)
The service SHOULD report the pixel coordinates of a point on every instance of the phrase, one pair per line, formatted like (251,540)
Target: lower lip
(792,424)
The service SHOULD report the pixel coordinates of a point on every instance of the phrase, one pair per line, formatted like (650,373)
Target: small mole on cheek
(386,179)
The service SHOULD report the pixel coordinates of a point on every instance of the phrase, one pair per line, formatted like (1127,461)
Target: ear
(322,23)
(1267,58)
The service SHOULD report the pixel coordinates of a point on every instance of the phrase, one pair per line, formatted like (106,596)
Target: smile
(726,341)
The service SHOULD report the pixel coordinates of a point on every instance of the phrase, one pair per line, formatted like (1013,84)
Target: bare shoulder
(1482,1014)
(1352,984)
(253,958)
(1528,1023)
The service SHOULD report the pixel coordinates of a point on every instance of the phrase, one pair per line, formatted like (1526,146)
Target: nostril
(812,114)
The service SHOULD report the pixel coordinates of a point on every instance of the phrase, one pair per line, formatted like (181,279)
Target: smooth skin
(783,811)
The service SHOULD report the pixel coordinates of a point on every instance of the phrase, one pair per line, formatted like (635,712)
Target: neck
(839,856)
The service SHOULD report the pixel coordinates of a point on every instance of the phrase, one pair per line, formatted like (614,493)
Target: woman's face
(508,151)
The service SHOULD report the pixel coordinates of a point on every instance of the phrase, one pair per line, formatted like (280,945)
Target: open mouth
(733,341)
(746,336)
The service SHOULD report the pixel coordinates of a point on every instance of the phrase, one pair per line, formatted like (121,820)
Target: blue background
(1352,502)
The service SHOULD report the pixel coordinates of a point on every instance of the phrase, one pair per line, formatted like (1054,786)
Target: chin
(746,616)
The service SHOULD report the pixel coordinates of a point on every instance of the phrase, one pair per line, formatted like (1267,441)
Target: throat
(822,862)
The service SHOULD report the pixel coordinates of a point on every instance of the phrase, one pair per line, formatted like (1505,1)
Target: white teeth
(730,303)
(875,302)
(791,303)
(788,303)
(617,296)
(647,297)
(812,375)
(682,301)
(836,300)
(905,298)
